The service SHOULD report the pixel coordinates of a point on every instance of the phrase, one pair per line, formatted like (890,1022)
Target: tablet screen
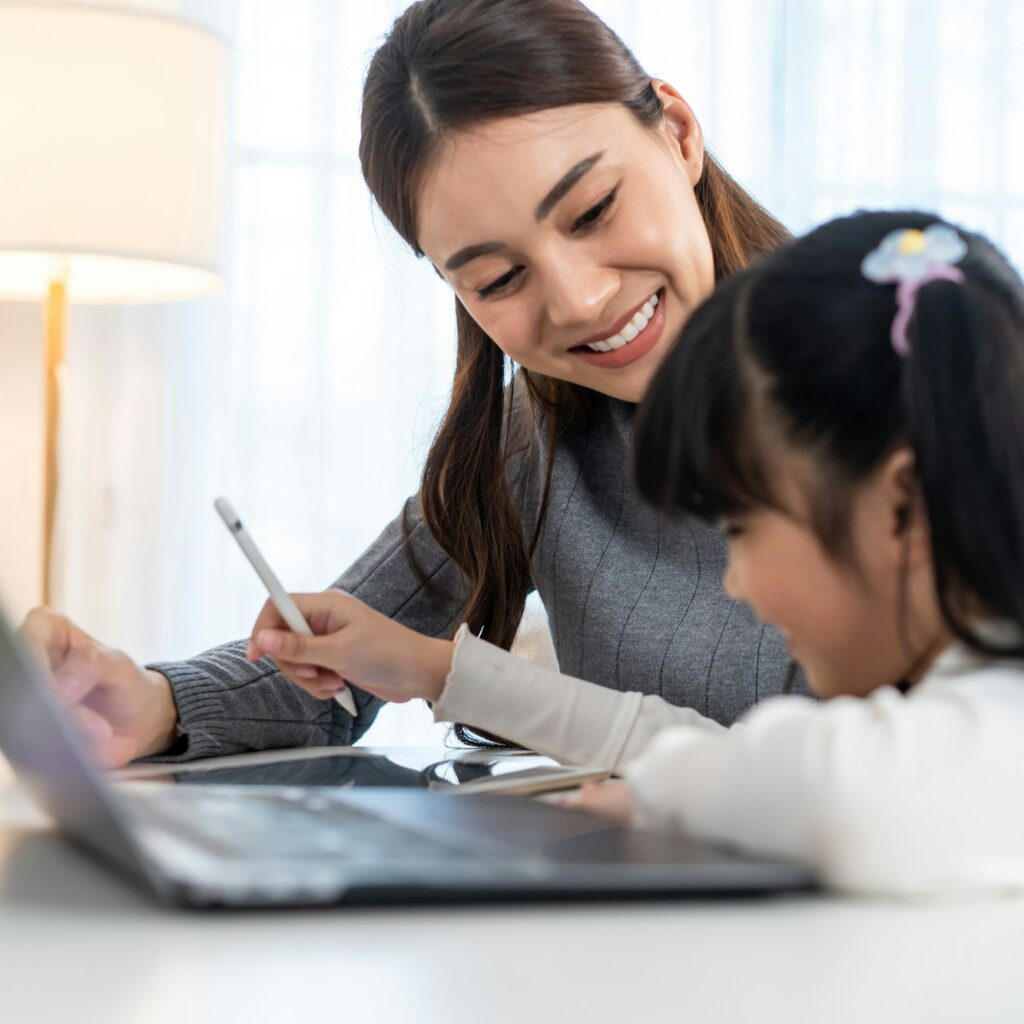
(430,768)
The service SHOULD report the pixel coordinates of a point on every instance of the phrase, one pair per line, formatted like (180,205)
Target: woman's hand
(123,710)
(351,644)
(611,800)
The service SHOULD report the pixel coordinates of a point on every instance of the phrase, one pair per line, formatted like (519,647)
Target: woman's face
(573,237)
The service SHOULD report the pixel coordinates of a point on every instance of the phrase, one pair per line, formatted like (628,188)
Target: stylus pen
(282,600)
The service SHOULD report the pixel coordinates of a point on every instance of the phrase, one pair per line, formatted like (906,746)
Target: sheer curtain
(308,391)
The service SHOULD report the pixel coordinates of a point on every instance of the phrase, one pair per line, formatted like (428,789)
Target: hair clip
(912,258)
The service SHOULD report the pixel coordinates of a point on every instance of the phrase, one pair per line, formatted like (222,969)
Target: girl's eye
(596,212)
(732,529)
(500,285)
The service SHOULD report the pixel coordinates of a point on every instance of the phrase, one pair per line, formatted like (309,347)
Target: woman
(568,200)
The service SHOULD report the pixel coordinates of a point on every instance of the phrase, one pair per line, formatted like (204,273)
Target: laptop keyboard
(241,845)
(283,824)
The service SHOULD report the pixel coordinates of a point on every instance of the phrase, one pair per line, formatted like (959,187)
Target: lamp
(112,174)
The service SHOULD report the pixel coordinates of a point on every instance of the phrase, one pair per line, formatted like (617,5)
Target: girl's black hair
(796,349)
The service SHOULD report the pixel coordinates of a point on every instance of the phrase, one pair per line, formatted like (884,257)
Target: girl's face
(845,624)
(573,237)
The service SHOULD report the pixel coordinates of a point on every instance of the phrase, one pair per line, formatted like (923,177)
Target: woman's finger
(318,682)
(322,689)
(94,726)
(70,688)
(296,671)
(52,637)
(36,646)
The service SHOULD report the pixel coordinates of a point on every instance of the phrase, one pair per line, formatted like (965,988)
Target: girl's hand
(611,800)
(351,644)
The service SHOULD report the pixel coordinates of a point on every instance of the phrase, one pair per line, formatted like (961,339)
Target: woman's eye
(596,212)
(495,287)
(732,530)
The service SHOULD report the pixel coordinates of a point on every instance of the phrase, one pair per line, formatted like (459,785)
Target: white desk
(77,945)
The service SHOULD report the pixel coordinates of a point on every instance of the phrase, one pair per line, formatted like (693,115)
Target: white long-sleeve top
(917,793)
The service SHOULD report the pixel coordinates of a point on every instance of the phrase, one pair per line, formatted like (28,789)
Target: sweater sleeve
(227,705)
(566,718)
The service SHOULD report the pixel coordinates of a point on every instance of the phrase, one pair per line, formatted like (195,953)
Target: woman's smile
(633,337)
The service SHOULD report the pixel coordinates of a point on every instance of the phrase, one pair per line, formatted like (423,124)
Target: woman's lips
(637,348)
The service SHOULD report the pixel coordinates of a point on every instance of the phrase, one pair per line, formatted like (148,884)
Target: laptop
(252,845)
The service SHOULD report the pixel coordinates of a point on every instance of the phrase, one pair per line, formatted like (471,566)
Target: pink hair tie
(913,258)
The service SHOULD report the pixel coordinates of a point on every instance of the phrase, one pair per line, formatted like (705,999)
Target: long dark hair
(446,65)
(797,350)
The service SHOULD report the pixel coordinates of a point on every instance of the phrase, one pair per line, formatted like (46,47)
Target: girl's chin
(819,682)
(831,684)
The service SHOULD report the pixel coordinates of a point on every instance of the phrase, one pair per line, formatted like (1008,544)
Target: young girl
(568,200)
(850,409)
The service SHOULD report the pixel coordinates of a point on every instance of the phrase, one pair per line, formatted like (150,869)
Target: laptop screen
(45,750)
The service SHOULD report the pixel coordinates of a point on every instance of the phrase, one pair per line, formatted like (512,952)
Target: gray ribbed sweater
(635,602)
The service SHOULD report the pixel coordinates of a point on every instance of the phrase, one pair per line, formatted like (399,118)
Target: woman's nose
(578,293)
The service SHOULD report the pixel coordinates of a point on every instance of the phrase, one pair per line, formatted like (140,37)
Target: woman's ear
(682,128)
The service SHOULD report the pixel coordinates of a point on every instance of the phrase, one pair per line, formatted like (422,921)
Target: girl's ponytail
(964,394)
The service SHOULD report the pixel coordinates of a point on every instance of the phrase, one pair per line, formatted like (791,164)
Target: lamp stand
(55,329)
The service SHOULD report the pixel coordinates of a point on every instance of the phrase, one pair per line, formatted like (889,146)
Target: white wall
(21,456)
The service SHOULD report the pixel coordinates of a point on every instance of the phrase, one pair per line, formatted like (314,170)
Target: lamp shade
(113,171)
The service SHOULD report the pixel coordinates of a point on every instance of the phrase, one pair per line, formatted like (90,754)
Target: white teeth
(628,333)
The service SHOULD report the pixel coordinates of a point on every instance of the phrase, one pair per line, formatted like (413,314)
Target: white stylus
(282,601)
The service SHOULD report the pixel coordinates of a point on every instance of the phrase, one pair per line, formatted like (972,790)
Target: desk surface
(77,944)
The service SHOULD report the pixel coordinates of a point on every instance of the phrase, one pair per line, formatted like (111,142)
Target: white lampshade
(113,155)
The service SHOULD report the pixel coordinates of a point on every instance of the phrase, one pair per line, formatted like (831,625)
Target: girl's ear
(908,524)
(682,128)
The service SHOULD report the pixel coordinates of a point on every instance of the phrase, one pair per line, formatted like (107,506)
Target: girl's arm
(567,718)
(911,794)
(467,680)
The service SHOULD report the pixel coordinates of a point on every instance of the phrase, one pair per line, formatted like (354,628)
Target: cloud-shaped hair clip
(912,258)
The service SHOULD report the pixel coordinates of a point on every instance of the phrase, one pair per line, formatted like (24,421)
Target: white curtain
(308,391)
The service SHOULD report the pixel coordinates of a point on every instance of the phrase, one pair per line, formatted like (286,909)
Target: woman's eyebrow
(565,183)
(471,252)
(544,207)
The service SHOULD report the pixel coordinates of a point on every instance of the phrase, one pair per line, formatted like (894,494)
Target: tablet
(444,769)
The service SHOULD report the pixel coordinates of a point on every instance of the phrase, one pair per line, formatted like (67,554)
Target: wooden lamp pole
(56,331)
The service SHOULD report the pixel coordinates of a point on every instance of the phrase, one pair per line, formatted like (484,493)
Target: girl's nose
(579,293)
(733,582)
